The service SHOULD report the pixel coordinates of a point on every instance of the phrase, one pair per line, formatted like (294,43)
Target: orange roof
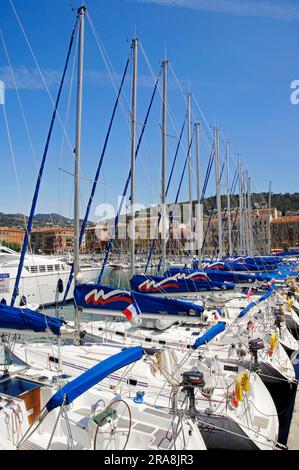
(52,229)
(286,219)
(11,229)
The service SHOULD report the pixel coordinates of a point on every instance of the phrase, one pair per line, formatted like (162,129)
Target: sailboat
(245,327)
(161,377)
(51,411)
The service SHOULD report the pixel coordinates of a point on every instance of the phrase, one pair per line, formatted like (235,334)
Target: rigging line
(110,69)
(234,152)
(176,154)
(213,207)
(129,178)
(26,127)
(208,172)
(97,175)
(19,98)
(66,125)
(184,169)
(184,95)
(114,79)
(13,161)
(111,72)
(235,180)
(145,161)
(17,179)
(38,182)
(196,103)
(179,188)
(225,216)
(147,61)
(24,119)
(169,181)
(169,109)
(39,70)
(232,146)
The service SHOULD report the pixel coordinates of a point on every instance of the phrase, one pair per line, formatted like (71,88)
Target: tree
(12,246)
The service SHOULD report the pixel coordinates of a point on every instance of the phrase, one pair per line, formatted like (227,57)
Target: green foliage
(283,202)
(12,246)
(39,220)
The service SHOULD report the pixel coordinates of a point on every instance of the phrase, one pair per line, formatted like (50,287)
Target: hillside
(39,221)
(283,202)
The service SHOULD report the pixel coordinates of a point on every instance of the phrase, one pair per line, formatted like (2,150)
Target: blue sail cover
(253,304)
(259,259)
(289,253)
(219,276)
(99,297)
(14,318)
(270,275)
(245,264)
(261,262)
(176,284)
(209,335)
(246,309)
(266,296)
(91,377)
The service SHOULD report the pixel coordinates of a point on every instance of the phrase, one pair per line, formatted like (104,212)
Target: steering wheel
(119,418)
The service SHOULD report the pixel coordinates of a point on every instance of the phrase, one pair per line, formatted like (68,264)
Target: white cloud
(2,92)
(28,78)
(268,9)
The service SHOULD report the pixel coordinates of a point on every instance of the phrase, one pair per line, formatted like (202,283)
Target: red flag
(131,312)
(249,293)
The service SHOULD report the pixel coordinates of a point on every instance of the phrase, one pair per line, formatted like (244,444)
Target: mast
(228,200)
(198,194)
(246,226)
(133,151)
(81,14)
(218,196)
(189,157)
(269,219)
(163,192)
(251,247)
(241,250)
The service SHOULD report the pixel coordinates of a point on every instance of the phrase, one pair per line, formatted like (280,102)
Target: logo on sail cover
(150,285)
(96,297)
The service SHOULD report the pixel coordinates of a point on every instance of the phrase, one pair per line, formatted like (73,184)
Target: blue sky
(237,57)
